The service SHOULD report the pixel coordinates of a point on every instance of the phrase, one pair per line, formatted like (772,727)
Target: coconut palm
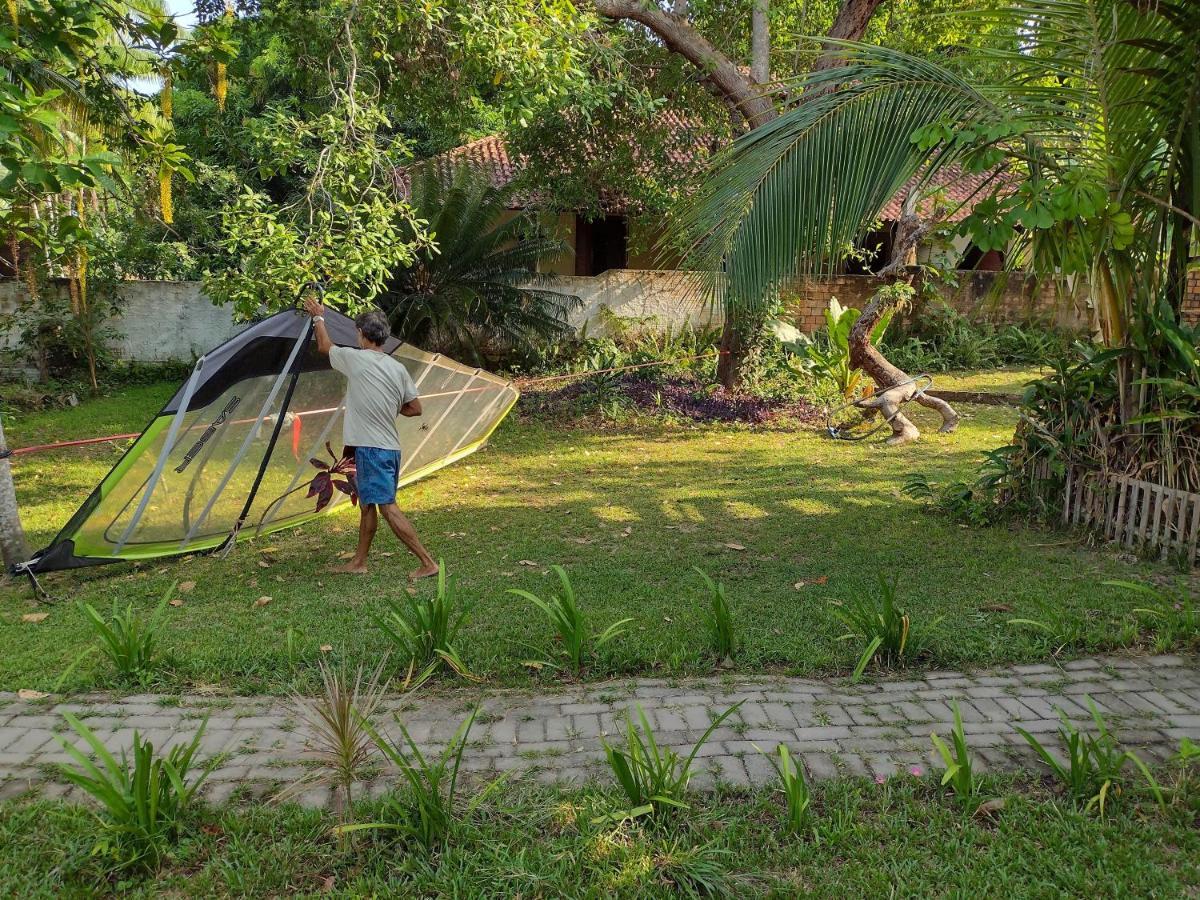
(477,293)
(1093,95)
(1090,116)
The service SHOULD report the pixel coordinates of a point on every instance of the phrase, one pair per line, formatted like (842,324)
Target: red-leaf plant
(324,482)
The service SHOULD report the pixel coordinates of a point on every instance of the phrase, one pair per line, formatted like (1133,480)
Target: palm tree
(1090,118)
(477,292)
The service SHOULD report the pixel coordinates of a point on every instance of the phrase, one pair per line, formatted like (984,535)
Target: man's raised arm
(314,308)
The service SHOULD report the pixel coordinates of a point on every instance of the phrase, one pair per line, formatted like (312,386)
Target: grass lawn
(904,838)
(629,509)
(996,381)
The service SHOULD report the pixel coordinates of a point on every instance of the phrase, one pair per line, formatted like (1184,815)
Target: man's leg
(368,524)
(404,530)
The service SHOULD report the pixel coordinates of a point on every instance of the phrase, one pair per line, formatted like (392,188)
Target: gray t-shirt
(378,385)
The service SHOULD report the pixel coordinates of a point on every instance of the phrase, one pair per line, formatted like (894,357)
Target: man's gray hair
(374,326)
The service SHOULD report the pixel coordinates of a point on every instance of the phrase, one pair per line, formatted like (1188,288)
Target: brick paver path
(877,728)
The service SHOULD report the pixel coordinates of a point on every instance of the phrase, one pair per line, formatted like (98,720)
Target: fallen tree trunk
(893,387)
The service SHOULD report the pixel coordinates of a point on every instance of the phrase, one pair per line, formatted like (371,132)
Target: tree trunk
(760,41)
(732,351)
(850,25)
(13,547)
(891,392)
(739,92)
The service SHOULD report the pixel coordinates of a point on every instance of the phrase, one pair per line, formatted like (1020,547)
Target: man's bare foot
(350,568)
(423,572)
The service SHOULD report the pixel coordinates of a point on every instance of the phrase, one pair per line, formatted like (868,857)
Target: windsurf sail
(246,445)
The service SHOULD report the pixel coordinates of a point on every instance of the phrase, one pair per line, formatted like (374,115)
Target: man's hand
(313,306)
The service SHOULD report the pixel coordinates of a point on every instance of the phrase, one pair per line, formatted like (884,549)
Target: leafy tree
(70,133)
(474,292)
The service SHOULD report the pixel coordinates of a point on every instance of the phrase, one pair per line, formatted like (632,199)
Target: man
(378,388)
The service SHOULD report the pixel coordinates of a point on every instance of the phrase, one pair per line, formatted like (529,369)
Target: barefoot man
(378,388)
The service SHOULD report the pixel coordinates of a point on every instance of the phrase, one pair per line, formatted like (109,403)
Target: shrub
(423,629)
(424,810)
(1095,763)
(570,623)
(960,772)
(827,353)
(940,339)
(885,627)
(337,720)
(143,801)
(795,789)
(652,776)
(130,642)
(719,619)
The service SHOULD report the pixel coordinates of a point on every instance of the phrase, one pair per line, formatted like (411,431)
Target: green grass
(995,381)
(628,510)
(906,838)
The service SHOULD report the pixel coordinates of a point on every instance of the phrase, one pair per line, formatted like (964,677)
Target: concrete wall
(161,320)
(164,320)
(663,297)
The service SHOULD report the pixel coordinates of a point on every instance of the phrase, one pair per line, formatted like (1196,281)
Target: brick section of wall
(1191,300)
(990,296)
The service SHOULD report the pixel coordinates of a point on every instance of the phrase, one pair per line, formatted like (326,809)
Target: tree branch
(681,37)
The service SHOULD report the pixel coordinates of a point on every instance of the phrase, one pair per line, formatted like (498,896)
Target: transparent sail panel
(313,420)
(203,485)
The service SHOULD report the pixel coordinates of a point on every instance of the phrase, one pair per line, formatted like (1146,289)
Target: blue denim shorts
(377,472)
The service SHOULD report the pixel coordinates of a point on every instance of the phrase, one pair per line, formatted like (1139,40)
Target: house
(612,263)
(620,239)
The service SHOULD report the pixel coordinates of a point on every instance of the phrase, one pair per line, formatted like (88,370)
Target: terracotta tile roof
(490,155)
(954,188)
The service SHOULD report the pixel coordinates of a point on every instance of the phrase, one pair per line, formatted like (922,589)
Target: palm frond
(792,196)
(478,294)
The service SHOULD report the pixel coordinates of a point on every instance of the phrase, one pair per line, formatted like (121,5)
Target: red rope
(39,448)
(36,448)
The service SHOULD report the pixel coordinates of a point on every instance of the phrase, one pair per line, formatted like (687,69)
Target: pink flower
(916,771)
(879,779)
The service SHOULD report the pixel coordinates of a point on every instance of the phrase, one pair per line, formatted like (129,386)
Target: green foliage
(960,772)
(827,354)
(424,628)
(570,623)
(423,811)
(649,775)
(794,787)
(346,229)
(1092,104)
(1174,617)
(719,619)
(130,641)
(941,339)
(475,292)
(142,801)
(885,627)
(699,870)
(1094,764)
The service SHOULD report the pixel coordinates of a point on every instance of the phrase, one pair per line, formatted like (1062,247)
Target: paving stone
(868,730)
